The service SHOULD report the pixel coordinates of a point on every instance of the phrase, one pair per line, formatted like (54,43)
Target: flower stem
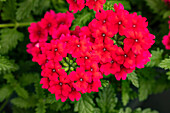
(15,24)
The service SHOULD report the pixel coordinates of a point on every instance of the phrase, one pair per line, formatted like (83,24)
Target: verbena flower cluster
(73,62)
(76,5)
(166,38)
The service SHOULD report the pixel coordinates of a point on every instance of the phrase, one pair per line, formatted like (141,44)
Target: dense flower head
(73,61)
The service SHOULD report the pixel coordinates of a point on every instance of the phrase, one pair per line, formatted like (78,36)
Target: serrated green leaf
(6,65)
(158,6)
(28,78)
(41,108)
(9,39)
(57,105)
(82,18)
(65,107)
(133,78)
(10,78)
(97,110)
(107,100)
(156,58)
(9,9)
(16,109)
(137,110)
(168,73)
(20,102)
(5,92)
(50,99)
(125,92)
(127,110)
(126,4)
(25,8)
(42,6)
(165,63)
(145,88)
(39,90)
(148,110)
(84,105)
(21,91)
(166,14)
(60,5)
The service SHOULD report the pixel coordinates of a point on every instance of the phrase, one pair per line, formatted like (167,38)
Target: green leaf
(134,79)
(16,109)
(41,108)
(125,92)
(39,90)
(84,105)
(165,63)
(107,100)
(57,105)
(41,6)
(60,5)
(5,92)
(10,78)
(138,110)
(145,88)
(9,39)
(20,102)
(25,8)
(65,107)
(28,78)
(82,18)
(158,6)
(50,99)
(21,91)
(147,110)
(156,58)
(166,14)
(127,110)
(168,73)
(6,65)
(126,4)
(8,10)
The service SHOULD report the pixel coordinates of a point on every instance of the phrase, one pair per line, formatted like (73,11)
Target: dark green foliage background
(20,91)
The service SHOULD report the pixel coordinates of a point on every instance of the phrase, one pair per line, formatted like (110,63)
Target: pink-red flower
(96,5)
(82,79)
(166,41)
(49,22)
(76,5)
(37,33)
(64,19)
(62,30)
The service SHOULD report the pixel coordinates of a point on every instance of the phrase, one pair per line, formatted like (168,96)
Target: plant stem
(15,24)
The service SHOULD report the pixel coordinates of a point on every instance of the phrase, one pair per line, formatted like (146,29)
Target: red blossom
(76,5)
(49,22)
(37,33)
(96,5)
(166,41)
